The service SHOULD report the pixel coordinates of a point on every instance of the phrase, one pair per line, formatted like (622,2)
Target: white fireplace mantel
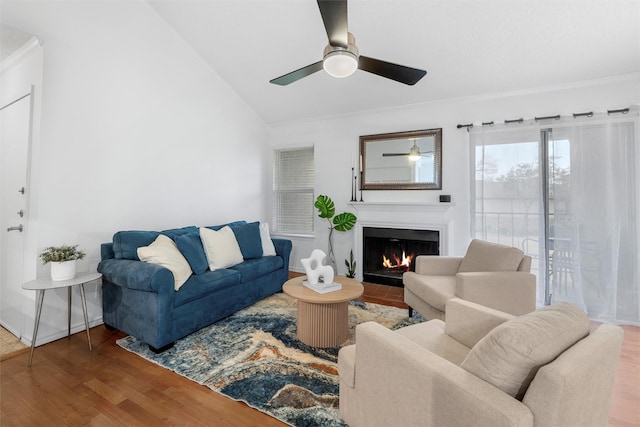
(407,215)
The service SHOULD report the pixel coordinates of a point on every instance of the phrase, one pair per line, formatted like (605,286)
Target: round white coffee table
(323,319)
(41,285)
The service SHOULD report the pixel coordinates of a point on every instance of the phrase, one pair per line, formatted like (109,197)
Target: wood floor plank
(70,386)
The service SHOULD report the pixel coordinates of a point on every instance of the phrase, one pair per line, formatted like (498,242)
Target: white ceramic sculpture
(315,269)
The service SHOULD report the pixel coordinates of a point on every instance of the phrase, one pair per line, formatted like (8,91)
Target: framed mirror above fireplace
(402,160)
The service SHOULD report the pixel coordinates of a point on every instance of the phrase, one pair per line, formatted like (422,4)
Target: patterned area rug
(254,356)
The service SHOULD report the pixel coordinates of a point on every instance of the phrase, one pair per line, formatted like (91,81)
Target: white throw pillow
(221,247)
(163,251)
(267,245)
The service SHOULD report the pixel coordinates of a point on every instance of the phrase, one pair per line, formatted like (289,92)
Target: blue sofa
(139,299)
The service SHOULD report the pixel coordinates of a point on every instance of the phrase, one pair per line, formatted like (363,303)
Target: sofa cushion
(175,232)
(265,237)
(163,251)
(221,247)
(253,268)
(218,227)
(191,247)
(434,290)
(487,256)
(204,284)
(510,355)
(126,243)
(248,237)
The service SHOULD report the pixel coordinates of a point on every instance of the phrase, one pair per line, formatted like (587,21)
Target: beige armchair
(490,274)
(482,368)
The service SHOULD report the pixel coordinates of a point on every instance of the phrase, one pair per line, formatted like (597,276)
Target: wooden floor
(70,386)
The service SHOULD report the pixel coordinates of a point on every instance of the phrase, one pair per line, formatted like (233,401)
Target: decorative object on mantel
(354,182)
(351,265)
(341,222)
(63,261)
(319,276)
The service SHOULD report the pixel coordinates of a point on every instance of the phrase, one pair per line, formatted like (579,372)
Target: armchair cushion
(510,355)
(432,336)
(487,256)
(435,289)
(468,322)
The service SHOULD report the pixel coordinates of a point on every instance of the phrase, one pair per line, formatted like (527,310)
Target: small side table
(41,285)
(323,319)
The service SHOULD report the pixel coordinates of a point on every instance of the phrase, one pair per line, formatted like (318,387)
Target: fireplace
(389,252)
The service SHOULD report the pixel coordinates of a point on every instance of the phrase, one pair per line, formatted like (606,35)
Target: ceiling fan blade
(399,73)
(394,154)
(297,74)
(334,16)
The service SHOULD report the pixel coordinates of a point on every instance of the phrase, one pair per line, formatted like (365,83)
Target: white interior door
(15,119)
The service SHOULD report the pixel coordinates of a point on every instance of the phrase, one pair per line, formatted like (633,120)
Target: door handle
(21,213)
(18,228)
(21,190)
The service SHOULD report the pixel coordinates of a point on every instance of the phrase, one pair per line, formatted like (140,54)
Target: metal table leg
(69,312)
(35,326)
(84,311)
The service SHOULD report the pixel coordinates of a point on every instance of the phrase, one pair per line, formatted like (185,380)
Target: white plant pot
(64,270)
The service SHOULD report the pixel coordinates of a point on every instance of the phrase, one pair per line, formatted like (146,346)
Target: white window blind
(293,181)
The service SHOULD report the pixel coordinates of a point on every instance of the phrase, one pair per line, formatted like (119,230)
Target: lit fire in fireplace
(400,263)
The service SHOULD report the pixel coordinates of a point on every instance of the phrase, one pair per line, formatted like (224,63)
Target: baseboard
(53,336)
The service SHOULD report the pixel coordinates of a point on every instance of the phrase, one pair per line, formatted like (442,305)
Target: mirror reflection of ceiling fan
(341,56)
(414,153)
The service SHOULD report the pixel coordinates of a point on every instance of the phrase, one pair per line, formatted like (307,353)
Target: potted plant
(63,261)
(351,265)
(341,222)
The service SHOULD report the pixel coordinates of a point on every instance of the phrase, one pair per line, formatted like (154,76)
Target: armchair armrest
(513,292)
(137,275)
(437,265)
(398,382)
(468,322)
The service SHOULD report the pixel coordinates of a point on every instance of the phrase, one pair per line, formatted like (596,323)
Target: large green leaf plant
(344,221)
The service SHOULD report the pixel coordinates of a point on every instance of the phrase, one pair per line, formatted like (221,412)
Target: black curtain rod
(556,117)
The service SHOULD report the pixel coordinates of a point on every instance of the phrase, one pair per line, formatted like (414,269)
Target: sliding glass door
(567,196)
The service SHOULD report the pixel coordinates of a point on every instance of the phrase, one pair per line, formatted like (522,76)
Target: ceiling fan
(414,153)
(341,57)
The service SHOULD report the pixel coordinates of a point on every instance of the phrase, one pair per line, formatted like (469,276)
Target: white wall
(136,133)
(336,144)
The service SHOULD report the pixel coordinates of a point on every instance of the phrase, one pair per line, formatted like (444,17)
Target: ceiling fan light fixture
(414,153)
(340,63)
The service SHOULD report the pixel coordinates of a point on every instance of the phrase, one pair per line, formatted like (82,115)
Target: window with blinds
(293,197)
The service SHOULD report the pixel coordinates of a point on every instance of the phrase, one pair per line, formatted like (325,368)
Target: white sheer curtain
(506,194)
(588,227)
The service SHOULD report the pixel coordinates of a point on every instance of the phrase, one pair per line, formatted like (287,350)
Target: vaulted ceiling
(468,48)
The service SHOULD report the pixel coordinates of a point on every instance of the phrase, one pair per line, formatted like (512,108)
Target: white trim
(17,56)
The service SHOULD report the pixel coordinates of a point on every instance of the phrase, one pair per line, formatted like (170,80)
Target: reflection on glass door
(567,197)
(508,196)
